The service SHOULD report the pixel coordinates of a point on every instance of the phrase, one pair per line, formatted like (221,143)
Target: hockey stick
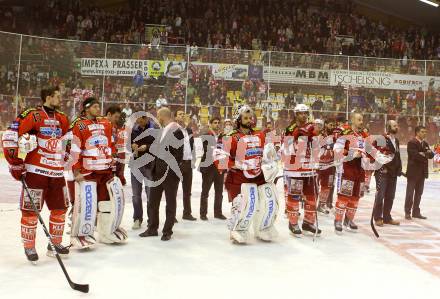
(84,288)
(373,227)
(316,208)
(314,185)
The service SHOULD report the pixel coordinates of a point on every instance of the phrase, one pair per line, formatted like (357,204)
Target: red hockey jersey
(297,156)
(49,127)
(241,153)
(93,145)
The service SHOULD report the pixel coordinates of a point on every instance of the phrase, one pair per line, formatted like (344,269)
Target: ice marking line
(416,241)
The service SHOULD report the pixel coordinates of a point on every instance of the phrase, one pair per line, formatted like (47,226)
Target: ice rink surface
(200,262)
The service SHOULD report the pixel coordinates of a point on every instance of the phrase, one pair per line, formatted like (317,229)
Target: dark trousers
(187,174)
(385,192)
(210,176)
(136,189)
(169,185)
(414,191)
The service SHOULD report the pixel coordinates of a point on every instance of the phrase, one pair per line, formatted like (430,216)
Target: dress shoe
(166,237)
(378,222)
(419,216)
(408,217)
(189,217)
(392,222)
(148,233)
(204,218)
(221,217)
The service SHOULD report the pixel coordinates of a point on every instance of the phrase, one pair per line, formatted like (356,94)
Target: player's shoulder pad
(27,112)
(76,121)
(104,120)
(232,133)
(60,112)
(291,128)
(346,130)
(256,131)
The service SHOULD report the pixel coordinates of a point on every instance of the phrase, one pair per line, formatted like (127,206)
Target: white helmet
(241,109)
(319,122)
(301,108)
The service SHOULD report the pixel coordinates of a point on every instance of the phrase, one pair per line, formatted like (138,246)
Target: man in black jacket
(210,174)
(386,178)
(188,162)
(417,171)
(140,146)
(166,174)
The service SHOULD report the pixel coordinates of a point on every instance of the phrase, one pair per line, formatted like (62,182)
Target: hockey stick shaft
(314,186)
(373,227)
(78,287)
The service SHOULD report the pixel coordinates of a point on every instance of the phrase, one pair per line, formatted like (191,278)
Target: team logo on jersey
(104,150)
(46,131)
(53,144)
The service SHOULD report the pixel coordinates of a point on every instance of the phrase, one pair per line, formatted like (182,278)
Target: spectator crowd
(282,26)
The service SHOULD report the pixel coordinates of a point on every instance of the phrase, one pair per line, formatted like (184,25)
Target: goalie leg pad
(105,224)
(111,213)
(267,212)
(84,214)
(243,210)
(116,193)
(248,206)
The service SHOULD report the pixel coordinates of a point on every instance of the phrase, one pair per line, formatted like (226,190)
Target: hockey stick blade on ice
(84,288)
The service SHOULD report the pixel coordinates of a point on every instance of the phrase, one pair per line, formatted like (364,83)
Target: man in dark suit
(417,171)
(168,151)
(189,159)
(210,174)
(386,178)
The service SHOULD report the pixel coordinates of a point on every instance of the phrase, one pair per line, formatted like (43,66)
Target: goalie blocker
(257,206)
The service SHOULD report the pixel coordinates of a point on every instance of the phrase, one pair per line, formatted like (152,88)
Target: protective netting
(206,82)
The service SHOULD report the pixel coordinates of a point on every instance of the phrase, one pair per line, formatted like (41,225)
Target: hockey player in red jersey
(326,172)
(98,194)
(113,114)
(350,175)
(42,169)
(251,170)
(300,171)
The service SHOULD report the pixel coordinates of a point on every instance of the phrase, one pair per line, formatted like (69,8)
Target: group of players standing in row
(87,149)
(89,146)
(309,173)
